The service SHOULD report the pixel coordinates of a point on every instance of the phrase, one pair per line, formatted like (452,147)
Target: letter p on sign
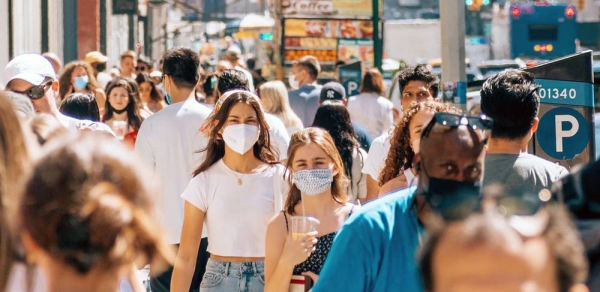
(561,133)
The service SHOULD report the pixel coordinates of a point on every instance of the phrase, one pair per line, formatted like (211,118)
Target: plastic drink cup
(303,225)
(119,128)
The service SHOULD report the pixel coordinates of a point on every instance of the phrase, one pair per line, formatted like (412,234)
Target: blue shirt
(376,249)
(305,102)
(362,136)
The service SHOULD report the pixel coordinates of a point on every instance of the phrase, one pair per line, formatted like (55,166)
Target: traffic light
(474,5)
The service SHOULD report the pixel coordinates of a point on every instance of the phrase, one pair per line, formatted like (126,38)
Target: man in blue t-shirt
(305,99)
(376,248)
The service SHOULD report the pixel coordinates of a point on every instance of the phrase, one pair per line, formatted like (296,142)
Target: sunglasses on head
(36,92)
(481,123)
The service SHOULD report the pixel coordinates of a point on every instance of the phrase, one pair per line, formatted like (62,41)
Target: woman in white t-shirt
(274,97)
(370,109)
(234,193)
(397,172)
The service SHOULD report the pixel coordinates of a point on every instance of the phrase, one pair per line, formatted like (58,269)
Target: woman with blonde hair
(274,97)
(318,190)
(88,223)
(14,165)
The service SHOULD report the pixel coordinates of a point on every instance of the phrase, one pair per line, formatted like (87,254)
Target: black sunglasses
(36,92)
(482,123)
(141,68)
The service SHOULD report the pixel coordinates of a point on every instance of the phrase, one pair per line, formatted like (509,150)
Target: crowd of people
(220,182)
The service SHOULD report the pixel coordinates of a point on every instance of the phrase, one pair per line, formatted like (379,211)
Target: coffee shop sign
(308,7)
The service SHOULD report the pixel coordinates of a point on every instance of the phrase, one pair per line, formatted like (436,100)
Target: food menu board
(356,29)
(345,29)
(328,40)
(312,28)
(356,50)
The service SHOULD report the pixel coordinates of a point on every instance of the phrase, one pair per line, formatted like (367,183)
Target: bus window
(543,32)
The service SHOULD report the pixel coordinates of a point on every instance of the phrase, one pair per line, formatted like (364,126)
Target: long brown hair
(92,212)
(155,95)
(215,150)
(372,82)
(64,81)
(14,165)
(134,118)
(401,154)
(323,139)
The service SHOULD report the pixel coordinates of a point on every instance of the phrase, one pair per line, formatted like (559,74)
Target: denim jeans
(162,282)
(233,277)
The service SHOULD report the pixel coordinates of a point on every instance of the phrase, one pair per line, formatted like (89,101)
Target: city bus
(542,30)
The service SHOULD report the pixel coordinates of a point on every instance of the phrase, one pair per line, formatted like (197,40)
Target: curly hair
(401,153)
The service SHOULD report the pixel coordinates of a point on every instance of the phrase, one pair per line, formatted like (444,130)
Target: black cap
(333,91)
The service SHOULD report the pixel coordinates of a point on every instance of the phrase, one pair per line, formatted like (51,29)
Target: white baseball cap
(32,68)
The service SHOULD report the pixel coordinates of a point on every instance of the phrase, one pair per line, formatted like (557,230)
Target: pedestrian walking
(150,96)
(122,112)
(304,98)
(274,97)
(78,77)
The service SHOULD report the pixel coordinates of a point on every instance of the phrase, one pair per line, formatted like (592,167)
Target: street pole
(377,43)
(452,18)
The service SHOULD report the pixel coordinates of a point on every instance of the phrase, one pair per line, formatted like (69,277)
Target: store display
(329,41)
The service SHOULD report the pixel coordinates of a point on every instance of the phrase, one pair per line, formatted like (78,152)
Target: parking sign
(566,128)
(350,76)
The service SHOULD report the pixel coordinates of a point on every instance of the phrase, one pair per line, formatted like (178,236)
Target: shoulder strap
(287,227)
(351,210)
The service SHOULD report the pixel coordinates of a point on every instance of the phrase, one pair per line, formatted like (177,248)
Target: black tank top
(316,260)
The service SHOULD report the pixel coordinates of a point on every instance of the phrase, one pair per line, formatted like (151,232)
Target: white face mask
(241,137)
(312,182)
(293,83)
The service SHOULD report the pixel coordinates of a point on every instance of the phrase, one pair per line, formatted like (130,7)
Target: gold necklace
(239,178)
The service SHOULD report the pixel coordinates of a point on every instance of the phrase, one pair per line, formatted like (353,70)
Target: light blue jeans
(233,277)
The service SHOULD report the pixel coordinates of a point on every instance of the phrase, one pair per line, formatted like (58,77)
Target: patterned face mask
(312,182)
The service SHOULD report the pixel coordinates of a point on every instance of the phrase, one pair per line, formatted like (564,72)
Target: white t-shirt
(75,124)
(168,141)
(278,134)
(373,112)
(17,279)
(411,178)
(237,215)
(377,154)
(103,78)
